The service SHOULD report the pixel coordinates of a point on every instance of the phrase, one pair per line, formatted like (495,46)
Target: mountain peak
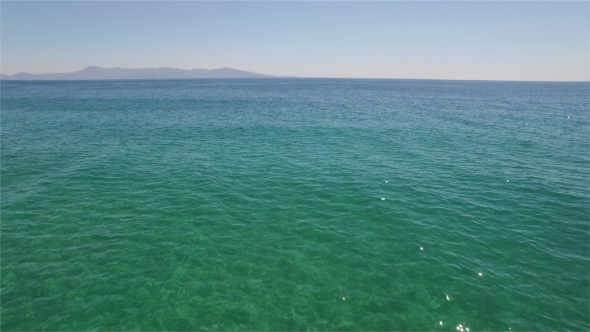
(100,73)
(92,68)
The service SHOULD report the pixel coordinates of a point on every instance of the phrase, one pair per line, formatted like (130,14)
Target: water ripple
(256,205)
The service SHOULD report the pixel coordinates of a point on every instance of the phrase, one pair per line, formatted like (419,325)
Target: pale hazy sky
(448,40)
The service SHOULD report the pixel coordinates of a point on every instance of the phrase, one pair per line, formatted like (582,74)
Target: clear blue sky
(447,40)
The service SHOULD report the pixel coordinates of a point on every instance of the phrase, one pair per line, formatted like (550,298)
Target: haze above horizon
(529,41)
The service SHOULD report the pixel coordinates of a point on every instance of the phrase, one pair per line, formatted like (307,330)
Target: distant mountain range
(100,73)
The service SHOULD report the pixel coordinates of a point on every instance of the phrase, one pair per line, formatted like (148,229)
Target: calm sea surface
(295,204)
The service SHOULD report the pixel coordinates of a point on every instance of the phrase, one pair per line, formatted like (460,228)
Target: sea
(292,204)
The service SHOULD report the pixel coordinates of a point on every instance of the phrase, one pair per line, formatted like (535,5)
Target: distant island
(117,73)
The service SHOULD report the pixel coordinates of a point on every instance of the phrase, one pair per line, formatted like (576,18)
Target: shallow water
(295,204)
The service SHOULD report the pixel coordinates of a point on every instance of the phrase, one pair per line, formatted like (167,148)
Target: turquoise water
(295,204)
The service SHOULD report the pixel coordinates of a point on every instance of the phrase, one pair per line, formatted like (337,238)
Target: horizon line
(293,78)
(9,77)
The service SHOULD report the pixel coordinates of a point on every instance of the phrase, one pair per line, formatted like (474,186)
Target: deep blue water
(295,204)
